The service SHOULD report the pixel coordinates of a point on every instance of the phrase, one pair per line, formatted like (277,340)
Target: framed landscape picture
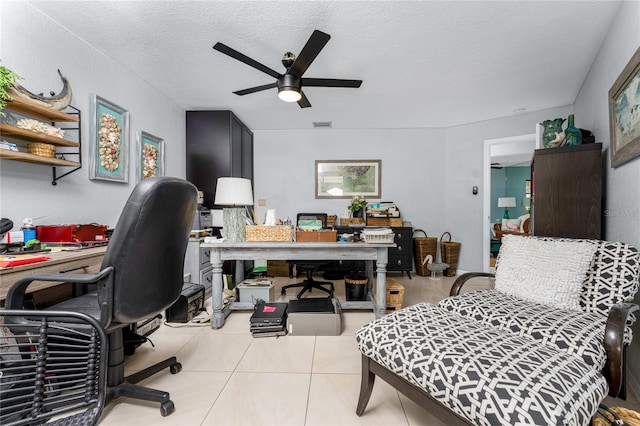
(348,178)
(150,156)
(624,113)
(109,143)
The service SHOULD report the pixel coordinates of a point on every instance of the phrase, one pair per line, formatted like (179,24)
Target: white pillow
(550,272)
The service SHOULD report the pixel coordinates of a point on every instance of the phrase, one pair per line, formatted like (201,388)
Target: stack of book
(268,319)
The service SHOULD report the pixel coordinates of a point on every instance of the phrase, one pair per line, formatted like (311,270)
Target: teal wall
(508,182)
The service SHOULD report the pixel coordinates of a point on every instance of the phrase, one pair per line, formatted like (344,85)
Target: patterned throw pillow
(511,225)
(550,272)
(612,277)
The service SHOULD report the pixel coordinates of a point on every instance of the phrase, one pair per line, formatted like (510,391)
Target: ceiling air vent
(321,124)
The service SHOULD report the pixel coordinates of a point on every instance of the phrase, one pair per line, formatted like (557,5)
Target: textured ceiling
(423,63)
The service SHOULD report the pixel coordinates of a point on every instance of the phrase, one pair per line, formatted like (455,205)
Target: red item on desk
(71,233)
(17,261)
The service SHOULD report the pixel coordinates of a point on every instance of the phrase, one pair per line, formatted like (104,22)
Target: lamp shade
(232,191)
(505,201)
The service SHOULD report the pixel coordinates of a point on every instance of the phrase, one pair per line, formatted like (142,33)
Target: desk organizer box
(267,233)
(316,236)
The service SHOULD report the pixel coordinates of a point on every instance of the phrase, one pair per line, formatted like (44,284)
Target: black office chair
(141,276)
(310,266)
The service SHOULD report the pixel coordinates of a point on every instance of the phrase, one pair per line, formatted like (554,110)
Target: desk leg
(380,308)
(217,316)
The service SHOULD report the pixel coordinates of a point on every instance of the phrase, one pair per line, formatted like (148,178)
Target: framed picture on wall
(109,143)
(624,113)
(348,178)
(150,156)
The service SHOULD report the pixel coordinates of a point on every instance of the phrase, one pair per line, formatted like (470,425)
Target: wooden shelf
(25,106)
(30,158)
(31,136)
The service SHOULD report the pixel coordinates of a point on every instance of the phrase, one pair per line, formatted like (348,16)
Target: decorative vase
(572,134)
(357,217)
(552,135)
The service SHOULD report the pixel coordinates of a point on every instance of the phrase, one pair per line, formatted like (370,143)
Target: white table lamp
(506,202)
(235,194)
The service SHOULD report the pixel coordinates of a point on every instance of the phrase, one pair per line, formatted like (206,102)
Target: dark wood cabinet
(567,192)
(219,144)
(400,257)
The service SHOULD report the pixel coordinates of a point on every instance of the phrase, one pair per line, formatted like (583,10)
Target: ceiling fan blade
(308,53)
(329,82)
(256,89)
(223,48)
(304,102)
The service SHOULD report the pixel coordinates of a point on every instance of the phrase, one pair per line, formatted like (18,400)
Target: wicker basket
(331,220)
(267,233)
(630,417)
(449,253)
(379,239)
(41,149)
(395,295)
(422,247)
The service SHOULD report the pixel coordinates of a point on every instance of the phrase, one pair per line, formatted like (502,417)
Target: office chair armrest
(15,295)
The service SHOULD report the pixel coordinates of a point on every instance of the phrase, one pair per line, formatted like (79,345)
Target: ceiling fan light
(289,94)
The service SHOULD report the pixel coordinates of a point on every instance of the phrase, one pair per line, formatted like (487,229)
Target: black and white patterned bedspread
(575,332)
(486,375)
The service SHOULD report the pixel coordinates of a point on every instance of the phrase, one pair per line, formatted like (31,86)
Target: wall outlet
(262,202)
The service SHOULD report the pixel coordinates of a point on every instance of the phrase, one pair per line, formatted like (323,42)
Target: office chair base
(129,389)
(309,285)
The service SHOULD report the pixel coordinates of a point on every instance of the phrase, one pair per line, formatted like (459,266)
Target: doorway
(503,152)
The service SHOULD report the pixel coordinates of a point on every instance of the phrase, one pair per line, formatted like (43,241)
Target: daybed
(544,346)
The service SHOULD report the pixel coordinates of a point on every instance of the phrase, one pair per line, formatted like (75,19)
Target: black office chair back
(147,248)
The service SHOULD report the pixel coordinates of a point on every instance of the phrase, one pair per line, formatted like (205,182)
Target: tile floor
(230,378)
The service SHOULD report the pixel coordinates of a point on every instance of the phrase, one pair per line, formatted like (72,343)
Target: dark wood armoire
(567,191)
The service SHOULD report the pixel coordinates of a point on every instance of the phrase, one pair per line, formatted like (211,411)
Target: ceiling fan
(291,82)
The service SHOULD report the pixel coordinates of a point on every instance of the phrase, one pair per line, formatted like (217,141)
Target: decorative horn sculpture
(59,101)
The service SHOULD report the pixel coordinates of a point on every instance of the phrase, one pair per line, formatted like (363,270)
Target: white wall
(35,47)
(412,169)
(622,204)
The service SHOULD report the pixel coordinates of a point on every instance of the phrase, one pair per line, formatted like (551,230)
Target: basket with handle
(449,253)
(422,247)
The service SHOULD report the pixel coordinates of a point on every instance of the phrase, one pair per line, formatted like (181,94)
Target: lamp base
(233,223)
(506,214)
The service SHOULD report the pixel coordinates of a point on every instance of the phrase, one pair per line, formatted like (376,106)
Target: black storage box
(188,305)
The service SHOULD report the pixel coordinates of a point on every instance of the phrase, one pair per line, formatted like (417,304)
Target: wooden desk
(86,260)
(297,251)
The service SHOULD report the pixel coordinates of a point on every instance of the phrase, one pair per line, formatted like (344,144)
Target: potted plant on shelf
(7,81)
(357,206)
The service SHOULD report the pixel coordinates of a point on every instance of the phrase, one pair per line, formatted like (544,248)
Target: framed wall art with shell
(150,156)
(109,143)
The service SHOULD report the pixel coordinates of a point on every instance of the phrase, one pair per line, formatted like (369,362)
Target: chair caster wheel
(175,368)
(167,408)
